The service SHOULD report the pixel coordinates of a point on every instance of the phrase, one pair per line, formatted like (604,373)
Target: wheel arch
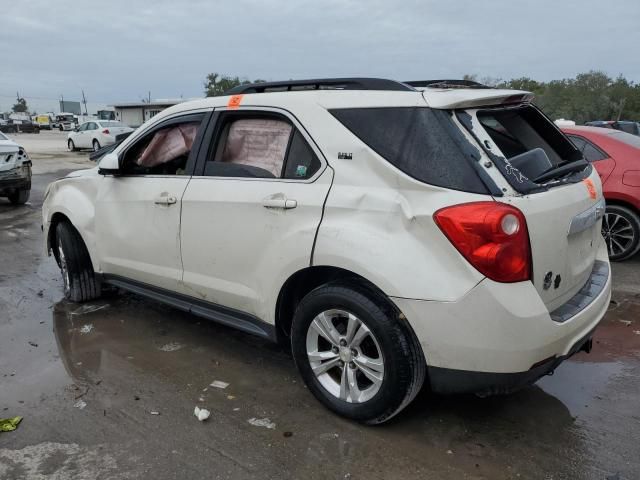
(304,281)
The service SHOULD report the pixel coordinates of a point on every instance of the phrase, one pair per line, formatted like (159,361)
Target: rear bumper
(499,337)
(13,180)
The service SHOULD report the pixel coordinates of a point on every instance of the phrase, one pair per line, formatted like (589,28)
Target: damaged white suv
(393,233)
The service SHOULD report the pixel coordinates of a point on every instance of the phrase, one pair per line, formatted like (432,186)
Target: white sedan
(96,134)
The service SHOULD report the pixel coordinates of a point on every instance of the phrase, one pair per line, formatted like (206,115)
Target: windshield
(112,123)
(64,118)
(2,137)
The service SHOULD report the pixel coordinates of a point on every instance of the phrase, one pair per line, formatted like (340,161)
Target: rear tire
(621,231)
(20,197)
(96,145)
(368,377)
(80,282)
(61,128)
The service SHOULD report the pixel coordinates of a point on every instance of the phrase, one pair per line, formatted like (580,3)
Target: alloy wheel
(618,233)
(345,356)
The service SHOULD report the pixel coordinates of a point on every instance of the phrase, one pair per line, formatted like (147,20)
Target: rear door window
(420,141)
(259,145)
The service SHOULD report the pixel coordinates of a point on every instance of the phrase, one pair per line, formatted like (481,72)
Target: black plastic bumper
(447,381)
(12,183)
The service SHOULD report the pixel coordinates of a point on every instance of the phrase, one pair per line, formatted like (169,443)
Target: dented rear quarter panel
(378,223)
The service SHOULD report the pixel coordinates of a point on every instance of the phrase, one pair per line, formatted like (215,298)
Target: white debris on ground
(80,404)
(262,422)
(86,328)
(201,413)
(84,309)
(154,412)
(171,347)
(637,332)
(219,384)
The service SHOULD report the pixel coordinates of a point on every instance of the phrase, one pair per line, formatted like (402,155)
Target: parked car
(95,156)
(624,126)
(15,171)
(389,233)
(616,157)
(19,126)
(96,134)
(65,121)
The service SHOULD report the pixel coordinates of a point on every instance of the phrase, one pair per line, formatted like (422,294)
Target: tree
(217,84)
(20,106)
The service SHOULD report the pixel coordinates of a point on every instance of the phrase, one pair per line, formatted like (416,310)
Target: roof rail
(321,84)
(446,84)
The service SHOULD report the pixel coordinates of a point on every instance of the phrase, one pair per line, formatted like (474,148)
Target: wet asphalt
(107,391)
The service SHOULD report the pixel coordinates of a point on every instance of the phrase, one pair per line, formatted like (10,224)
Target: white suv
(393,233)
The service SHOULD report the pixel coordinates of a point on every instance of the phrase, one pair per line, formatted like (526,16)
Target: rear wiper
(561,170)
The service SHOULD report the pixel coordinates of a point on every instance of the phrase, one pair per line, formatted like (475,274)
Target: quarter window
(590,152)
(260,146)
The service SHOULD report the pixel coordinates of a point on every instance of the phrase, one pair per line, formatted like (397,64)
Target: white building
(135,114)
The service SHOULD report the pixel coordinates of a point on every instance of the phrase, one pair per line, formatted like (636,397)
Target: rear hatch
(8,155)
(558,192)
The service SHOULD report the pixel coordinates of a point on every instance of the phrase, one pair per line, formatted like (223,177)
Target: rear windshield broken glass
(419,141)
(531,152)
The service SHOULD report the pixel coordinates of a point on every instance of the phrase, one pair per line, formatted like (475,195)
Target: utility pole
(62,103)
(84,100)
(149,97)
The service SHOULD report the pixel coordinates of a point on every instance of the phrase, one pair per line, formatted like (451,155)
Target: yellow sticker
(591,188)
(234,101)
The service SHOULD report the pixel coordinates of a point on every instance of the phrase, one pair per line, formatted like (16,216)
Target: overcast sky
(118,50)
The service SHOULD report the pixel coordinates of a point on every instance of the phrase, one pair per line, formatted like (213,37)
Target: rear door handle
(165,199)
(279,202)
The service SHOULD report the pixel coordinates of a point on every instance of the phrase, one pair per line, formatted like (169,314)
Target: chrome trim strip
(587,219)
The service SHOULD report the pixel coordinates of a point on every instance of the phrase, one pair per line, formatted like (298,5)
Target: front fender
(74,199)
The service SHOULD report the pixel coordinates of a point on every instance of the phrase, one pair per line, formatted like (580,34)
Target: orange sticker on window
(234,101)
(591,188)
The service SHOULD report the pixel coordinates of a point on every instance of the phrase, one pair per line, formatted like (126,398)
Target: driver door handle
(165,199)
(279,202)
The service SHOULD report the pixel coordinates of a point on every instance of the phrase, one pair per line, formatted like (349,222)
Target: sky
(119,50)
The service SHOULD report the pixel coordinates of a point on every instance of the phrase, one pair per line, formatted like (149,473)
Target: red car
(616,157)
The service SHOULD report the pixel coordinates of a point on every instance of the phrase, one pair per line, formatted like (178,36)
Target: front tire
(71,146)
(61,128)
(20,197)
(80,282)
(621,232)
(355,352)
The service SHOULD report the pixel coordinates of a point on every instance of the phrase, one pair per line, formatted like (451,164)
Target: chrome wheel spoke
(326,366)
(324,327)
(352,382)
(372,368)
(353,324)
(360,335)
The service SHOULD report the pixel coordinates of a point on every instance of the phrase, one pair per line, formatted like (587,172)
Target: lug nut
(343,343)
(354,352)
(334,349)
(352,365)
(341,363)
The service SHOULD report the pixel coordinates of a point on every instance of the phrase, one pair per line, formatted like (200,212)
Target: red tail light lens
(492,236)
(105,131)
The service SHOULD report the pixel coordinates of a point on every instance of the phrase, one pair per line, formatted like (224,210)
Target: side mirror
(109,165)
(76,129)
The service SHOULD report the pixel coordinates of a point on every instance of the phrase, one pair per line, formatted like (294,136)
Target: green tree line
(589,96)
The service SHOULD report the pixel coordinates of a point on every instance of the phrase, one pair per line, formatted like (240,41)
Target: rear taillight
(492,236)
(105,131)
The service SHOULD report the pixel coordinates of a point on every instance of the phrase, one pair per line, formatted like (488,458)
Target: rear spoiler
(473,98)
